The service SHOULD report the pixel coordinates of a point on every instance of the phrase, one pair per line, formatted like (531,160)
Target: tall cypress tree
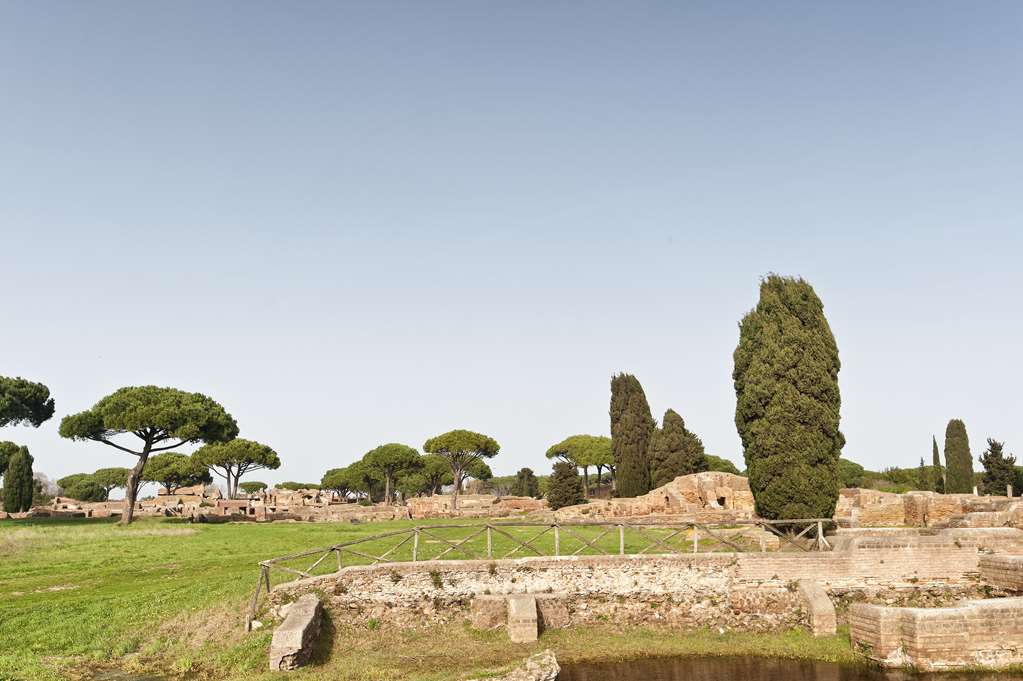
(631,428)
(958,460)
(999,469)
(788,402)
(18,482)
(939,471)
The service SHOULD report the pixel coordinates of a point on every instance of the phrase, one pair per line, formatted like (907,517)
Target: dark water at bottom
(748,669)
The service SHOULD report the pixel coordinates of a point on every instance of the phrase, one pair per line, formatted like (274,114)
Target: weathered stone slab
(523,626)
(292,641)
(540,667)
(820,609)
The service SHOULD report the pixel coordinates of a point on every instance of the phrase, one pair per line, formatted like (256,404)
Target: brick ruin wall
(747,591)
(980,633)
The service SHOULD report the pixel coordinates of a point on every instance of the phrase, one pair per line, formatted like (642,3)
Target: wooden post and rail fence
(477,542)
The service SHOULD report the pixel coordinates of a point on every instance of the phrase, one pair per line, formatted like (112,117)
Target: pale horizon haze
(360,223)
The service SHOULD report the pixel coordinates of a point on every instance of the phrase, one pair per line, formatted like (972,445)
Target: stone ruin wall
(748,591)
(705,497)
(872,508)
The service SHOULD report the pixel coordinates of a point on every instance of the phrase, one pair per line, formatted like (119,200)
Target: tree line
(787,414)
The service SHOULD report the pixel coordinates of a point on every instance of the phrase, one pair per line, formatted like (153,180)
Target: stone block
(523,625)
(292,641)
(820,609)
(552,610)
(488,612)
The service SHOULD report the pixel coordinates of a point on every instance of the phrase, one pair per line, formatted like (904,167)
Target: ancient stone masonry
(752,591)
(985,633)
(701,497)
(871,508)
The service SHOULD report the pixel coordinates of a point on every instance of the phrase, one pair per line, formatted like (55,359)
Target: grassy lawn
(168,595)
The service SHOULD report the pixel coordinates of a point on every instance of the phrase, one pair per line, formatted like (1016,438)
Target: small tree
(82,487)
(850,473)
(7,450)
(391,460)
(462,449)
(923,476)
(674,451)
(584,451)
(24,402)
(720,464)
(958,459)
(631,429)
(939,471)
(173,470)
(18,483)
(526,484)
(251,486)
(161,418)
(566,488)
(293,486)
(111,478)
(336,480)
(234,458)
(999,469)
(437,473)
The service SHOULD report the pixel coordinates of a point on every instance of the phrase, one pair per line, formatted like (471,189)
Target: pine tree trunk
(457,474)
(131,488)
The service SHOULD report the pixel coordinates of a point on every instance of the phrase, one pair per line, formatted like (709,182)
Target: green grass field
(168,596)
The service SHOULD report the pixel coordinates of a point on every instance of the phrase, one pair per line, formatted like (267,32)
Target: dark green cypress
(939,471)
(566,487)
(788,402)
(999,469)
(631,429)
(18,483)
(526,484)
(674,451)
(958,460)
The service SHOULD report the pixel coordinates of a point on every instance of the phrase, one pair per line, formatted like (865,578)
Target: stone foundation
(749,591)
(987,633)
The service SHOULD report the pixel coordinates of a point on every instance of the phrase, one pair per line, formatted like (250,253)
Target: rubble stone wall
(751,591)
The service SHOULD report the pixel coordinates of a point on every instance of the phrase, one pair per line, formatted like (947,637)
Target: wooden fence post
(490,541)
(621,539)
(415,545)
(557,540)
(696,539)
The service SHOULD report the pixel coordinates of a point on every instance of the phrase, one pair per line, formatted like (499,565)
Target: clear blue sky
(360,223)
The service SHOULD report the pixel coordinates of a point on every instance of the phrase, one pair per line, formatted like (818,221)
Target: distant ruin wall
(872,508)
(708,497)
